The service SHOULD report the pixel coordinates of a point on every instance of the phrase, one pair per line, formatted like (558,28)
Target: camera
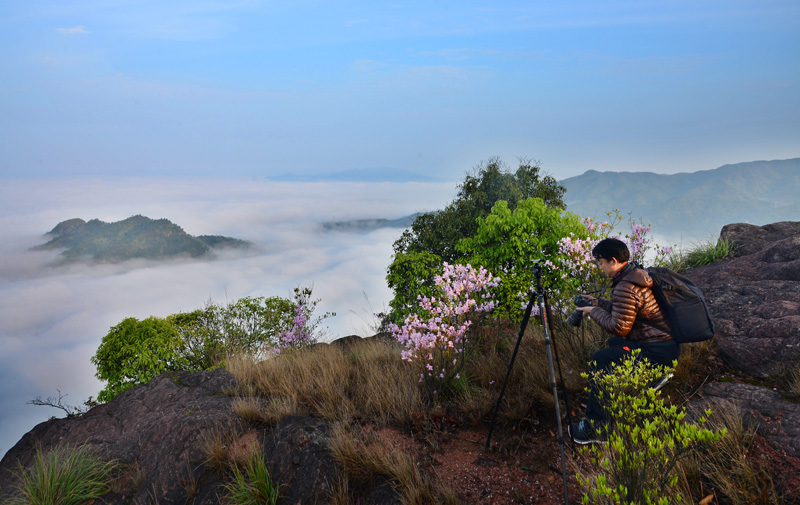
(577,316)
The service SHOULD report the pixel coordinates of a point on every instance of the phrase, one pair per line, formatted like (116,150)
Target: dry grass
(529,383)
(793,389)
(366,380)
(363,459)
(692,360)
(733,475)
(127,478)
(216,445)
(249,408)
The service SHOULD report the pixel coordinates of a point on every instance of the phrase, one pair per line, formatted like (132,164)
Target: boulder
(157,431)
(774,418)
(159,434)
(754,298)
(748,239)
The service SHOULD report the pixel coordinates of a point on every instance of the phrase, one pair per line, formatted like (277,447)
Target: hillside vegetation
(694,204)
(135,237)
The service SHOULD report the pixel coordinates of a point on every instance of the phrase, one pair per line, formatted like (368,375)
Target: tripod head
(538,264)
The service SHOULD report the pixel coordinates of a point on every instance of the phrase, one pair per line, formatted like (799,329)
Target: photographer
(631,302)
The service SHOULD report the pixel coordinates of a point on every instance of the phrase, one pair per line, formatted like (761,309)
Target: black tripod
(539,295)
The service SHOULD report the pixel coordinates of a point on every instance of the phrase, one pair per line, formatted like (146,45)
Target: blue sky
(248,88)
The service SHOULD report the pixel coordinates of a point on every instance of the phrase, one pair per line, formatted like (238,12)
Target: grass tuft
(62,476)
(701,254)
(734,476)
(252,483)
(216,445)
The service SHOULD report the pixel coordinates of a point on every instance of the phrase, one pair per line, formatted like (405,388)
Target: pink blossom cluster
(599,229)
(437,339)
(299,335)
(578,262)
(638,241)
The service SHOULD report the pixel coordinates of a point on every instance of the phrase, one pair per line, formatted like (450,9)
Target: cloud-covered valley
(53,318)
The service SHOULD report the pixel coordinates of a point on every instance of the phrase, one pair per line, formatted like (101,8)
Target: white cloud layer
(53,319)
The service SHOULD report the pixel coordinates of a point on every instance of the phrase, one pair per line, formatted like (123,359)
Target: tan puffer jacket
(631,296)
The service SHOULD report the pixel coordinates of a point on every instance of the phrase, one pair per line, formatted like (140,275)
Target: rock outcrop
(754,298)
(766,410)
(163,433)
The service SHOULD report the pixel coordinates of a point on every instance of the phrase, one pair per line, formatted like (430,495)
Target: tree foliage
(134,351)
(439,232)
(507,242)
(433,238)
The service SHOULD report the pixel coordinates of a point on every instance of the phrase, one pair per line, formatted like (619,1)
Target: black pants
(660,353)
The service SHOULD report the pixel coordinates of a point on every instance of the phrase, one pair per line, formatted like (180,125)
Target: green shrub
(133,352)
(507,242)
(62,476)
(700,254)
(646,438)
(252,485)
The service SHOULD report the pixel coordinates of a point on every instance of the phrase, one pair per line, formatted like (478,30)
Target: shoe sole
(583,442)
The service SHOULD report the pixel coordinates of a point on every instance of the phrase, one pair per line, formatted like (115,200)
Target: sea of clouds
(52,319)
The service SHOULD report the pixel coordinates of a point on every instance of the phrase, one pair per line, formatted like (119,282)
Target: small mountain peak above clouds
(359,175)
(136,237)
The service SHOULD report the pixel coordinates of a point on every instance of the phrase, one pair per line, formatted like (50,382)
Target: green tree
(506,243)
(434,236)
(134,352)
(439,232)
(252,324)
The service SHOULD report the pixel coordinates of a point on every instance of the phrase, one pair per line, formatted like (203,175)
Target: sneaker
(660,382)
(583,432)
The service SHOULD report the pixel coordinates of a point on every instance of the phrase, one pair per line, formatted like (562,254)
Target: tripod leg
(522,327)
(560,373)
(547,341)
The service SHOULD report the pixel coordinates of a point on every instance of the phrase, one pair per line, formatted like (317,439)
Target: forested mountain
(134,237)
(695,205)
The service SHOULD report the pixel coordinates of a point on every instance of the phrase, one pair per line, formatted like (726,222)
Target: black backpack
(683,305)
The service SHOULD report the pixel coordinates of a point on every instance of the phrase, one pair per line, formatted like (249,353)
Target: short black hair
(609,248)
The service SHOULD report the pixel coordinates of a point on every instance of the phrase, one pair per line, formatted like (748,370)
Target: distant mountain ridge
(366,225)
(359,175)
(695,205)
(135,237)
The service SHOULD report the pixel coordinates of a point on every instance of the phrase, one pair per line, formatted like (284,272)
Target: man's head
(612,255)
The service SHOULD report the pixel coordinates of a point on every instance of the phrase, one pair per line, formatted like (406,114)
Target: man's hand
(586,310)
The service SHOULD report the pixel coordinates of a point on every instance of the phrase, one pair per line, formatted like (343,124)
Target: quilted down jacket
(631,302)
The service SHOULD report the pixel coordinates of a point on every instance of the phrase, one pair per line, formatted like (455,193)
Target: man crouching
(631,303)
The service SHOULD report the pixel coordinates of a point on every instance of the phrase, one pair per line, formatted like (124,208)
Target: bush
(435,337)
(646,439)
(507,242)
(62,476)
(133,352)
